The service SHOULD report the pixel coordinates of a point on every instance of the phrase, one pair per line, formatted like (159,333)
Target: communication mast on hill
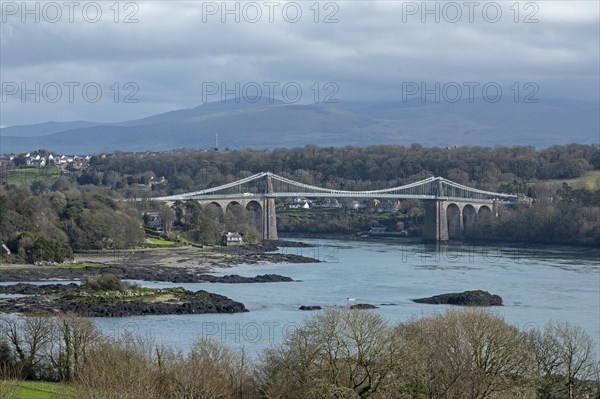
(217,141)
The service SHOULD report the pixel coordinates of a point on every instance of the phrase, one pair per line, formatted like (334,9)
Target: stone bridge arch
(469,217)
(264,212)
(257,209)
(454,221)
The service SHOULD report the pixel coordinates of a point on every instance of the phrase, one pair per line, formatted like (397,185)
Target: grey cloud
(369,53)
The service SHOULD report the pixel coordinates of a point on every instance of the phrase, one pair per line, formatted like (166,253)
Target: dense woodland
(49,226)
(338,353)
(79,209)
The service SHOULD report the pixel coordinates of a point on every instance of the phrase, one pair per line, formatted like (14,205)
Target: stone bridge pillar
(269,222)
(435,228)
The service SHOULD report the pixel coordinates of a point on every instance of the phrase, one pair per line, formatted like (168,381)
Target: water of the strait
(537,285)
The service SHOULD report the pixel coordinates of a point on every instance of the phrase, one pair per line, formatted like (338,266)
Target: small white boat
(351,299)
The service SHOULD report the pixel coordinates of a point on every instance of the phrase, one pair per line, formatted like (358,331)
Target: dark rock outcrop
(33,289)
(236,279)
(310,307)
(363,306)
(466,298)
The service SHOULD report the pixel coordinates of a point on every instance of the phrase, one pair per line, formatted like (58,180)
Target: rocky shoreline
(178,265)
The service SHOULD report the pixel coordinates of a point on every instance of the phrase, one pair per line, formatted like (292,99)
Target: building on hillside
(358,206)
(232,239)
(376,206)
(300,203)
(391,206)
(331,203)
(373,206)
(154,220)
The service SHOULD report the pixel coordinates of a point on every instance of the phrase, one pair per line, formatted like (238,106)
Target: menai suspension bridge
(449,207)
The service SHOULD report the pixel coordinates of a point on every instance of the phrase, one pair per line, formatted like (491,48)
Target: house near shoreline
(232,239)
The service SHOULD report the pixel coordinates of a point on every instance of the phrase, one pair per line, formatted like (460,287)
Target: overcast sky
(153,56)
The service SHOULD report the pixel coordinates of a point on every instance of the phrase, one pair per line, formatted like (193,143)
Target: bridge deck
(432,188)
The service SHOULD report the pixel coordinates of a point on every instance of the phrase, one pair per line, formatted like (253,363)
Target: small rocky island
(310,307)
(108,296)
(362,306)
(466,298)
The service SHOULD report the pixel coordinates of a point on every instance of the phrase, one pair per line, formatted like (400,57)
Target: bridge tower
(435,228)
(269,222)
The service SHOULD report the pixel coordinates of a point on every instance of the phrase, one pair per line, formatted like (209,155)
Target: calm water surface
(536,285)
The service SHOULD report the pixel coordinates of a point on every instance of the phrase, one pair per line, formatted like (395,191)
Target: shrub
(107,282)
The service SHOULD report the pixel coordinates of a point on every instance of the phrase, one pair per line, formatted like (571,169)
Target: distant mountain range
(271,123)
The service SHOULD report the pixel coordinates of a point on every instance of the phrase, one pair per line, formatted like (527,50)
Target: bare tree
(467,354)
(209,371)
(73,339)
(566,357)
(29,338)
(136,369)
(118,370)
(336,354)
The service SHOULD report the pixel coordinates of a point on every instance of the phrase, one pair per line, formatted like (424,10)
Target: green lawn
(27,176)
(155,240)
(160,242)
(589,180)
(42,390)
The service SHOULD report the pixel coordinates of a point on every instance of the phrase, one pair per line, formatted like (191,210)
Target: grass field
(160,242)
(26,176)
(589,180)
(155,240)
(42,390)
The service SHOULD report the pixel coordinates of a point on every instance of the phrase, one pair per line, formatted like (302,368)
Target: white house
(230,239)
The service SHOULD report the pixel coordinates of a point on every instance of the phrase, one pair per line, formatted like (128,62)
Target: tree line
(339,353)
(347,168)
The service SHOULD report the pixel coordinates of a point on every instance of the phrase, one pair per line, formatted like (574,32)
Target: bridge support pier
(435,228)
(269,222)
